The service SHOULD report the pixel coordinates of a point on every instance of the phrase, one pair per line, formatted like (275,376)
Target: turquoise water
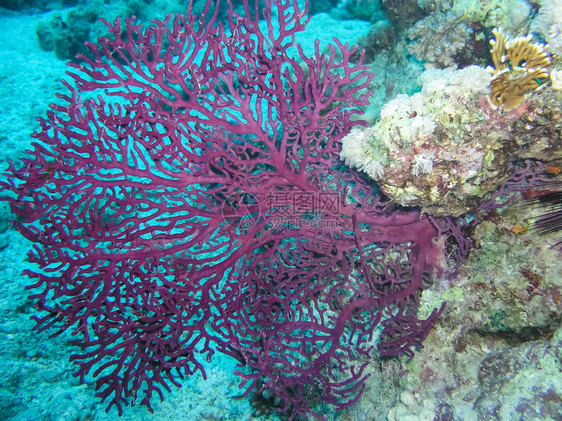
(494,353)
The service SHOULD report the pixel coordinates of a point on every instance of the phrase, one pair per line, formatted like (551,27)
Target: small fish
(553,170)
(518,229)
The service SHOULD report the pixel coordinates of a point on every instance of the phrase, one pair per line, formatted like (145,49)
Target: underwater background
(441,104)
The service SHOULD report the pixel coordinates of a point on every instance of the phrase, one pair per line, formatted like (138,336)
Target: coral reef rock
(447,147)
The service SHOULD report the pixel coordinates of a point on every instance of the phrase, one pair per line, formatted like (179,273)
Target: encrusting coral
(519,67)
(513,15)
(549,23)
(447,147)
(556,79)
(437,38)
(453,33)
(427,145)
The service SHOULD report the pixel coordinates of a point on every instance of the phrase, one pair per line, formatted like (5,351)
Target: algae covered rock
(447,147)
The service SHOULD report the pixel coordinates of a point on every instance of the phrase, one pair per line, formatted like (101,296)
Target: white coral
(353,147)
(518,15)
(556,79)
(375,169)
(549,23)
(473,79)
(401,106)
(404,118)
(354,154)
(433,80)
(423,163)
(423,126)
(468,81)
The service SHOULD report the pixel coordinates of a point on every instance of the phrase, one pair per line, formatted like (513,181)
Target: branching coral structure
(519,67)
(438,38)
(186,196)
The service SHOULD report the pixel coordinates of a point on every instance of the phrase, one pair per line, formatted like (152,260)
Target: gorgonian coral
(186,196)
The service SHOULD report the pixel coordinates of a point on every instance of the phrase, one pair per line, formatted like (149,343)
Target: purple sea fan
(186,196)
